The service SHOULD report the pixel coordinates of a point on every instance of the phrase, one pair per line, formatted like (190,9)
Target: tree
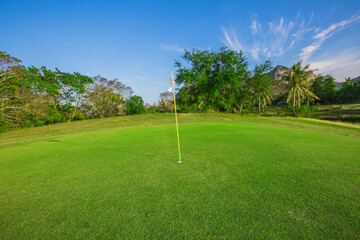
(62,91)
(260,85)
(166,103)
(12,86)
(210,78)
(244,95)
(73,90)
(33,96)
(135,105)
(106,98)
(349,93)
(298,79)
(324,88)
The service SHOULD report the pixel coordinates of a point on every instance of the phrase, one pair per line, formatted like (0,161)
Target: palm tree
(261,88)
(298,79)
(261,85)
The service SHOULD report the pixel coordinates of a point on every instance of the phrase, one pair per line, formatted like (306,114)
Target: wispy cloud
(272,40)
(278,35)
(255,27)
(141,78)
(301,30)
(346,64)
(281,36)
(173,48)
(231,40)
(254,51)
(321,36)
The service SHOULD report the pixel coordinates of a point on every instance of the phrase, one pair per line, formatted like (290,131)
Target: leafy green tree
(324,88)
(63,91)
(73,89)
(106,98)
(260,85)
(12,88)
(37,96)
(209,78)
(298,79)
(244,96)
(349,93)
(135,105)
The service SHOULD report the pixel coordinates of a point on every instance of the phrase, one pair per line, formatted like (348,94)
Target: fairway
(240,178)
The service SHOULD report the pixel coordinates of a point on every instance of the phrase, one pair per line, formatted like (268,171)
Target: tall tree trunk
(294,103)
(199,106)
(54,104)
(241,106)
(259,105)
(72,115)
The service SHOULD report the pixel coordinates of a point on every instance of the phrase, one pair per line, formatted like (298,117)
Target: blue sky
(137,41)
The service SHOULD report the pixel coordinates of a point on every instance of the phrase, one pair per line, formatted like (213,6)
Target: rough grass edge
(334,123)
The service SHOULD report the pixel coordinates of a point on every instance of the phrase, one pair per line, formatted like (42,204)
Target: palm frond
(290,95)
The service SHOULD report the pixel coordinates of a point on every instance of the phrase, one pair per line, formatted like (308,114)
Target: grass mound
(241,178)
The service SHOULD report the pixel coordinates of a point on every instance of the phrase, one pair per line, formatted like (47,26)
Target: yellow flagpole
(177,128)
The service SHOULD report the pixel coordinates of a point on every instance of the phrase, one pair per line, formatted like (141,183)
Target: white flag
(171,84)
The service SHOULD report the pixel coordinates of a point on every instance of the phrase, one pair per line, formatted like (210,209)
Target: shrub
(135,105)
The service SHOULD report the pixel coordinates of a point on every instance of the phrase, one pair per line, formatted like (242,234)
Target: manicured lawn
(241,178)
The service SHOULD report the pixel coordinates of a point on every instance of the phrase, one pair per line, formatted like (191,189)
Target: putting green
(240,178)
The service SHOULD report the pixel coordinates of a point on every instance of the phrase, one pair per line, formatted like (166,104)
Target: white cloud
(321,36)
(231,40)
(255,27)
(335,27)
(344,65)
(141,78)
(280,28)
(173,48)
(302,30)
(292,43)
(278,36)
(254,51)
(307,51)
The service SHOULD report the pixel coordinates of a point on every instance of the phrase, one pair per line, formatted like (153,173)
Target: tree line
(32,96)
(221,81)
(207,81)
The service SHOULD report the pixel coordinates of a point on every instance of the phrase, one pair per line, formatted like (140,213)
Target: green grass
(242,177)
(336,112)
(343,112)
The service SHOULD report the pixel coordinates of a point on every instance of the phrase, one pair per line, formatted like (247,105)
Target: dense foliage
(208,81)
(260,85)
(299,80)
(221,81)
(213,81)
(33,96)
(324,88)
(166,102)
(135,105)
(349,93)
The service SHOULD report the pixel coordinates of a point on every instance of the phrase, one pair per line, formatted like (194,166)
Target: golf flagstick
(177,128)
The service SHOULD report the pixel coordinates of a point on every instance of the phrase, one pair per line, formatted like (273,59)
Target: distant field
(344,112)
(337,112)
(242,177)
